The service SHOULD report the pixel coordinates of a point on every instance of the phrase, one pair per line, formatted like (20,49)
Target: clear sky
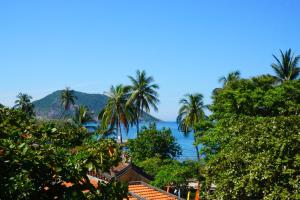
(186,45)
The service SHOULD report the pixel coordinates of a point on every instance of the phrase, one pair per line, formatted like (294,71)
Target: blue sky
(186,45)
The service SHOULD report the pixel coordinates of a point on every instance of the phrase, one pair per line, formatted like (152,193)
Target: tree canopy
(37,158)
(153,143)
(251,146)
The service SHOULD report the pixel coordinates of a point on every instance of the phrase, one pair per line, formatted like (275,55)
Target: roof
(143,191)
(125,172)
(137,190)
(122,168)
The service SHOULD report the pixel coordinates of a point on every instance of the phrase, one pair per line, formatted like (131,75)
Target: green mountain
(50,106)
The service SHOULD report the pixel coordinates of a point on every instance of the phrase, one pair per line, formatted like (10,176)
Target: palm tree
(232,76)
(116,112)
(190,113)
(143,94)
(287,67)
(82,115)
(67,99)
(23,102)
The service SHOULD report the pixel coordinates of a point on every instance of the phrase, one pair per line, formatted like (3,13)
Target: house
(124,172)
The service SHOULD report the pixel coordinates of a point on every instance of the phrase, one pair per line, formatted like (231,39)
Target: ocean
(186,143)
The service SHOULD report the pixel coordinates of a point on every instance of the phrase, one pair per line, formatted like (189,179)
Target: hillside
(50,106)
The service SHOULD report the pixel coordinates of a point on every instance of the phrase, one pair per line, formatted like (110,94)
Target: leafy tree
(116,112)
(258,158)
(154,164)
(37,159)
(175,174)
(252,149)
(82,115)
(67,98)
(23,102)
(258,96)
(286,67)
(190,113)
(143,94)
(232,76)
(153,143)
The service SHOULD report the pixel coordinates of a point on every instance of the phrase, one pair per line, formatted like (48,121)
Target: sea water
(186,142)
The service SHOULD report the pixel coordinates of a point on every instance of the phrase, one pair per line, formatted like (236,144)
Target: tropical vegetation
(67,98)
(190,113)
(143,94)
(117,112)
(286,67)
(23,102)
(37,159)
(250,141)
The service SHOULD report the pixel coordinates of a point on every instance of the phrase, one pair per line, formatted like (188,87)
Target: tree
(82,115)
(37,159)
(258,96)
(251,149)
(67,98)
(153,143)
(232,76)
(258,158)
(116,112)
(286,67)
(190,113)
(143,94)
(23,102)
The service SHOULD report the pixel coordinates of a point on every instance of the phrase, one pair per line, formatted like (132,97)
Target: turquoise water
(186,143)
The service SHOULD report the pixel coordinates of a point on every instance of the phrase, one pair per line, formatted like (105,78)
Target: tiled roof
(144,191)
(137,191)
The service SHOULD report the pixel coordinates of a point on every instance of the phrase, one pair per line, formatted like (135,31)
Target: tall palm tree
(232,76)
(286,67)
(23,102)
(67,99)
(143,94)
(116,112)
(82,115)
(190,113)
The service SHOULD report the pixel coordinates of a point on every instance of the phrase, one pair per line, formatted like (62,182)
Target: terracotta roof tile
(149,193)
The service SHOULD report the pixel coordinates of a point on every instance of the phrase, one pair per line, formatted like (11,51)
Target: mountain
(50,106)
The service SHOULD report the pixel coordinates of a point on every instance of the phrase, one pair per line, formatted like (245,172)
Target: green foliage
(252,148)
(153,165)
(67,98)
(82,115)
(174,174)
(153,143)
(286,67)
(258,96)
(116,112)
(36,158)
(258,158)
(232,76)
(23,102)
(143,94)
(190,113)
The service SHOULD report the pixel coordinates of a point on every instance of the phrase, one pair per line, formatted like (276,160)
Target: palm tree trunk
(119,133)
(138,122)
(137,127)
(197,148)
(197,151)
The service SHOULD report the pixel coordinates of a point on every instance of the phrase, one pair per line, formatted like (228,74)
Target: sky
(186,45)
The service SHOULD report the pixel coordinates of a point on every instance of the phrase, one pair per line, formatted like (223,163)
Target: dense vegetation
(252,145)
(250,142)
(157,156)
(37,158)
